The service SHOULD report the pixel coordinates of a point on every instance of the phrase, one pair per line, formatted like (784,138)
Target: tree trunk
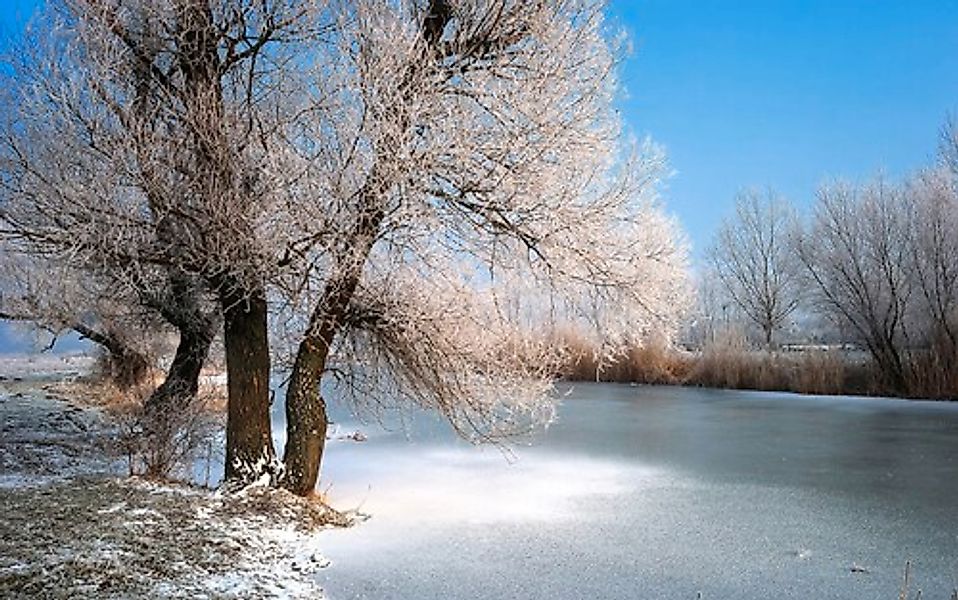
(305,421)
(125,366)
(305,407)
(182,379)
(891,378)
(249,442)
(169,412)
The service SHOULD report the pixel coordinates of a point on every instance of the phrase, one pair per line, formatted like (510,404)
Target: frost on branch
(425,188)
(469,194)
(443,345)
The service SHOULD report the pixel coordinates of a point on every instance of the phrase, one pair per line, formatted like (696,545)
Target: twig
(903,595)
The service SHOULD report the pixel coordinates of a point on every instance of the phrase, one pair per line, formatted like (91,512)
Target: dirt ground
(74,526)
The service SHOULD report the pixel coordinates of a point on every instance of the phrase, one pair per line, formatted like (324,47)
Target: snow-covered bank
(114,538)
(47,437)
(74,527)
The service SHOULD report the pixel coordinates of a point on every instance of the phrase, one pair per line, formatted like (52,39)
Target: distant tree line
(876,261)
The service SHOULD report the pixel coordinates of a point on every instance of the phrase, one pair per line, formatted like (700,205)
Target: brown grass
(729,363)
(162,446)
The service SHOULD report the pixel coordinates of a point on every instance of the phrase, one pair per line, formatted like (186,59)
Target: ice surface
(643,492)
(637,492)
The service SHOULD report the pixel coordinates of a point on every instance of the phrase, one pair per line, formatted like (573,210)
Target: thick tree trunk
(893,371)
(169,411)
(184,310)
(182,379)
(891,377)
(306,421)
(249,443)
(305,407)
(125,366)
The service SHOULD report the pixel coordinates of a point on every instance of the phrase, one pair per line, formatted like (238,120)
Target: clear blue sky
(786,93)
(781,93)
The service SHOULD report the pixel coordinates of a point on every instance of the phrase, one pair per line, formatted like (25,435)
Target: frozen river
(657,492)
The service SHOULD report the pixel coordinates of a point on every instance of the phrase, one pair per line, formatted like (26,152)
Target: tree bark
(181,385)
(172,401)
(305,408)
(306,421)
(183,309)
(249,442)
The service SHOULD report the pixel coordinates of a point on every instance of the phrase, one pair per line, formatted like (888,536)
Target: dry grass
(730,363)
(159,446)
(934,372)
(654,362)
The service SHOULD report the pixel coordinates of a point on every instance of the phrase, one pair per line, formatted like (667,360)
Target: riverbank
(824,372)
(75,526)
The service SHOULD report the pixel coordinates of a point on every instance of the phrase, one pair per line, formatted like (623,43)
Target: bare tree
(480,139)
(753,258)
(131,324)
(55,300)
(858,258)
(128,150)
(381,177)
(932,199)
(705,318)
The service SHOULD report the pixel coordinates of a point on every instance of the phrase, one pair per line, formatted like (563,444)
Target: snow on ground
(18,367)
(74,526)
(46,437)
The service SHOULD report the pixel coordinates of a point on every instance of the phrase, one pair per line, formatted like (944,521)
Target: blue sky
(781,93)
(786,93)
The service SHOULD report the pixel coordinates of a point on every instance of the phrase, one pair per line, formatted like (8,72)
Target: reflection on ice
(469,485)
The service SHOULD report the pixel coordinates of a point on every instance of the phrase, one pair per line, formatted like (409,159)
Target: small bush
(164,443)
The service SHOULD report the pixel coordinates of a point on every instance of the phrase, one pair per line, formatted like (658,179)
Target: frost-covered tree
(55,300)
(932,199)
(857,255)
(137,146)
(709,315)
(401,184)
(131,324)
(469,159)
(753,258)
